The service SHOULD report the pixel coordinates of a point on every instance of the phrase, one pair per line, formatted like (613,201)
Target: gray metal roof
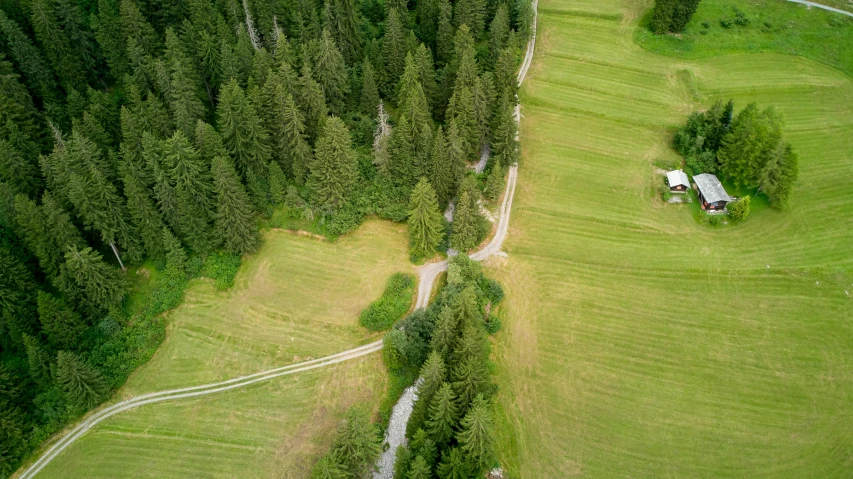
(711,188)
(677,177)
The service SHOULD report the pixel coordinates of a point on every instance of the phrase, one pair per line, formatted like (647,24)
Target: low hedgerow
(392,305)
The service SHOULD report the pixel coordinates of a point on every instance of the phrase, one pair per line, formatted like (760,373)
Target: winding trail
(427,274)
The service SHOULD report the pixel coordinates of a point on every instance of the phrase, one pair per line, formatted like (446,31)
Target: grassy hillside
(297,298)
(638,342)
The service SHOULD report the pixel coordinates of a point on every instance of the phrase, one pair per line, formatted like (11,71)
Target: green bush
(221,268)
(392,305)
(739,210)
(493,324)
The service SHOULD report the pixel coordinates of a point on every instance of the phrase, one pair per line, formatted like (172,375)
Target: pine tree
(369,93)
(60,323)
(328,467)
(108,33)
(12,439)
(234,223)
(476,435)
(470,378)
(777,178)
(749,144)
(38,360)
(441,170)
(461,110)
(341,20)
(506,82)
(241,129)
(425,220)
(312,103)
(176,257)
(442,415)
(286,125)
(419,469)
(445,334)
(393,50)
(464,234)
(278,183)
(28,60)
(82,383)
(208,142)
(334,169)
(192,188)
(433,375)
(498,32)
(427,12)
(96,286)
(55,44)
(682,13)
(444,33)
(457,150)
(17,295)
(403,161)
(426,71)
(63,233)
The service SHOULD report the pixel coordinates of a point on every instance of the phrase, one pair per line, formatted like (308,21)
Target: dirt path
(427,273)
(825,7)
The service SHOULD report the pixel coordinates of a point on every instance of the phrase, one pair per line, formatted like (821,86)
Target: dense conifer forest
(162,132)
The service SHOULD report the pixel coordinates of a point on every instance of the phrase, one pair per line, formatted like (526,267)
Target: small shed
(712,195)
(677,181)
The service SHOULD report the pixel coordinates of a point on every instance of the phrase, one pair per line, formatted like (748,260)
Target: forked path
(427,275)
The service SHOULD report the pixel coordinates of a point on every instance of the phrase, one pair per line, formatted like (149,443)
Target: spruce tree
(60,323)
(506,80)
(35,233)
(12,438)
(393,50)
(17,295)
(241,129)
(341,19)
(419,469)
(369,92)
(28,60)
(444,33)
(471,13)
(286,125)
(184,91)
(454,465)
(312,103)
(96,286)
(661,21)
(330,70)
(494,183)
(505,134)
(176,257)
(234,223)
(83,385)
(457,151)
(56,45)
(148,219)
(442,172)
(63,233)
(777,177)
(426,71)
(425,220)
(475,436)
(465,230)
(192,190)
(445,334)
(208,142)
(461,110)
(334,169)
(38,361)
(498,32)
(427,12)
(357,445)
(108,33)
(278,183)
(403,161)
(470,378)
(329,467)
(433,374)
(442,415)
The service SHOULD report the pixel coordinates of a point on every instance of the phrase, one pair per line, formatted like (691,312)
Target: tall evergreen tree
(419,469)
(242,132)
(110,37)
(454,465)
(286,125)
(425,220)
(357,444)
(442,173)
(498,32)
(471,13)
(505,133)
(60,323)
(682,13)
(17,296)
(427,12)
(426,71)
(234,223)
(442,415)
(38,361)
(777,177)
(462,111)
(312,103)
(369,91)
(56,45)
(96,286)
(749,144)
(341,19)
(475,435)
(192,188)
(433,375)
(184,89)
(148,219)
(278,183)
(330,70)
(494,183)
(444,33)
(393,50)
(661,21)
(176,257)
(464,234)
(470,378)
(28,59)
(83,384)
(334,169)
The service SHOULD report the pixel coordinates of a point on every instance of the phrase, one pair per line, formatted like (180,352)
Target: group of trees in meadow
(138,130)
(748,149)
(671,16)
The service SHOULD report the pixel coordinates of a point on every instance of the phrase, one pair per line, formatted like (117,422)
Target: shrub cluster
(392,305)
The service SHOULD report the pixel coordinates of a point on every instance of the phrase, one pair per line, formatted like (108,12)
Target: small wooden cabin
(677,181)
(712,195)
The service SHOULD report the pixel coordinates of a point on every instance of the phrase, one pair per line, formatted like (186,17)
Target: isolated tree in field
(334,169)
(82,383)
(433,374)
(442,415)
(749,144)
(475,435)
(425,221)
(357,444)
(59,322)
(241,130)
(776,179)
(233,220)
(97,286)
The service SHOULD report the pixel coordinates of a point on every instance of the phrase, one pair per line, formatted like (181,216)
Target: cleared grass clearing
(296,298)
(638,343)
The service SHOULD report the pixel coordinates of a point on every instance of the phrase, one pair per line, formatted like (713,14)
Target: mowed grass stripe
(637,342)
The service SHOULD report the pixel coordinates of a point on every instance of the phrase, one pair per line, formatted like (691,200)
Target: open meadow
(295,299)
(638,342)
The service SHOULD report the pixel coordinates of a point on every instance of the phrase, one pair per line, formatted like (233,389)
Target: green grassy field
(638,342)
(295,299)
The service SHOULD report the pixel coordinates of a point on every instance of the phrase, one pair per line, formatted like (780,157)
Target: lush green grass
(296,298)
(637,342)
(774,26)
